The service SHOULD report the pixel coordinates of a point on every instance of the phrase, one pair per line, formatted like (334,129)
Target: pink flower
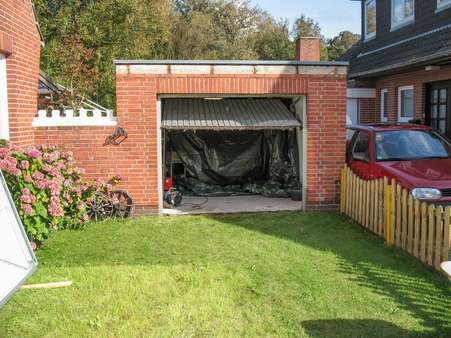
(40,184)
(34,153)
(27,209)
(4,152)
(38,175)
(25,199)
(28,179)
(54,186)
(80,205)
(9,164)
(54,208)
(24,164)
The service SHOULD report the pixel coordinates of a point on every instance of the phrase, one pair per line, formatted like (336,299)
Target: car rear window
(403,145)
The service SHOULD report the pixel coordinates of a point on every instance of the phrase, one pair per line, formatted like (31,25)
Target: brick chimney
(308,49)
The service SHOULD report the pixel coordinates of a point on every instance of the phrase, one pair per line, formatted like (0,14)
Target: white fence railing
(69,117)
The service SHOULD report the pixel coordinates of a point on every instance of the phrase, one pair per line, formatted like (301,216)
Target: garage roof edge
(231,62)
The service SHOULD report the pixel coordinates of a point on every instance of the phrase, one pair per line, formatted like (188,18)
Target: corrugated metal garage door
(226,114)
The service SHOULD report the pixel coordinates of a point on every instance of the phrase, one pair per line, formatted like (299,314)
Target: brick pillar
(308,49)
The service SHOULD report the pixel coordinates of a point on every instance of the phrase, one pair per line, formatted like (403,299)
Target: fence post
(424,227)
(342,189)
(438,237)
(447,239)
(416,239)
(410,224)
(431,235)
(388,204)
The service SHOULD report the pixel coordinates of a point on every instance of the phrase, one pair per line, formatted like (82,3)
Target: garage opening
(233,154)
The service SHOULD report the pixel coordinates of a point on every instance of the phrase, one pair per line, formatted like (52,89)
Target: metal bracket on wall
(115,139)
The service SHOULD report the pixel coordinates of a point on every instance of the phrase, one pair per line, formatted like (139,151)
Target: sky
(333,16)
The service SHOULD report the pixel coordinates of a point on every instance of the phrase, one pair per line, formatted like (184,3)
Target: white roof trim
(361,93)
(258,69)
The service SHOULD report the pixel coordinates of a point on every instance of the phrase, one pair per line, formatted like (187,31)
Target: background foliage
(82,37)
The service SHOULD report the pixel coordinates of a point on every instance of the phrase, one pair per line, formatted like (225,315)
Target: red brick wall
(17,23)
(136,158)
(308,49)
(368,111)
(418,79)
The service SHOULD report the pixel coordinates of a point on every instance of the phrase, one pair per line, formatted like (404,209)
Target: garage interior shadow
(394,274)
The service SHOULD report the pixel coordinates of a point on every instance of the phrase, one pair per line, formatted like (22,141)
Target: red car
(418,157)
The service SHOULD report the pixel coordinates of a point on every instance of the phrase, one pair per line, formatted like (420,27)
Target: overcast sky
(333,16)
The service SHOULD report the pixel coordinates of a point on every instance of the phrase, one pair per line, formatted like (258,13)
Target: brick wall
(136,159)
(368,111)
(418,79)
(17,24)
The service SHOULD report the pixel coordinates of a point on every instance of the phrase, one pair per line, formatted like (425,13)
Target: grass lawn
(287,274)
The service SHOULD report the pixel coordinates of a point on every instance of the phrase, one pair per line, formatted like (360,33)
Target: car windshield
(404,145)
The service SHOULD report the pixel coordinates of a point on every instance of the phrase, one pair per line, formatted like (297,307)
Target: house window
(384,105)
(4,124)
(405,104)
(442,4)
(370,19)
(402,12)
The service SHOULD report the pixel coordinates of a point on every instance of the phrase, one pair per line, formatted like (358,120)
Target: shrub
(47,188)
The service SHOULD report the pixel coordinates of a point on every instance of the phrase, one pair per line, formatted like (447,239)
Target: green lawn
(287,274)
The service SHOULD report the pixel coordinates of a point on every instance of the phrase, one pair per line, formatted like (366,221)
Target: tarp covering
(227,114)
(232,163)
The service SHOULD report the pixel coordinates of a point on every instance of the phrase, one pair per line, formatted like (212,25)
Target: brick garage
(141,84)
(20,49)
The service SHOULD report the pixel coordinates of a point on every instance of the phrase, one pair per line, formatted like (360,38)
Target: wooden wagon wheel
(122,204)
(100,207)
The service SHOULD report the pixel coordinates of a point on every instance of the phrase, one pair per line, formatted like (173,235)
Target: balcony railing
(70,117)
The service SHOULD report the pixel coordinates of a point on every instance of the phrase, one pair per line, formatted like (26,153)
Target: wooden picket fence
(391,212)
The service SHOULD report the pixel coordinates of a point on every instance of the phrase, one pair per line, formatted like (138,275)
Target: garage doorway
(233,154)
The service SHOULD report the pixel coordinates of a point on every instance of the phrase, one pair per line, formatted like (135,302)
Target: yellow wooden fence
(391,212)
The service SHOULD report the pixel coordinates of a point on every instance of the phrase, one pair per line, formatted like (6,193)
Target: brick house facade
(20,45)
(404,57)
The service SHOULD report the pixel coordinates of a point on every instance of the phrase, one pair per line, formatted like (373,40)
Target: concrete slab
(232,204)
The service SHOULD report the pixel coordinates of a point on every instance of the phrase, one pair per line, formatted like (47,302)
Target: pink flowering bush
(47,188)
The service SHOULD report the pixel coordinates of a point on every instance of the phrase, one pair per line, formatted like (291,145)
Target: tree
(338,45)
(272,41)
(109,29)
(214,29)
(307,27)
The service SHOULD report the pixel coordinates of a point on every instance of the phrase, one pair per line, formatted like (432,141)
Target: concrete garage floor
(232,204)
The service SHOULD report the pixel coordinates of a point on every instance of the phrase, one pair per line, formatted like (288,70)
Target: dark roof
(423,49)
(227,114)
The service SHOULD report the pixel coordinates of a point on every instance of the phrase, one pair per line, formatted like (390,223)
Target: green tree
(108,29)
(214,29)
(272,41)
(338,45)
